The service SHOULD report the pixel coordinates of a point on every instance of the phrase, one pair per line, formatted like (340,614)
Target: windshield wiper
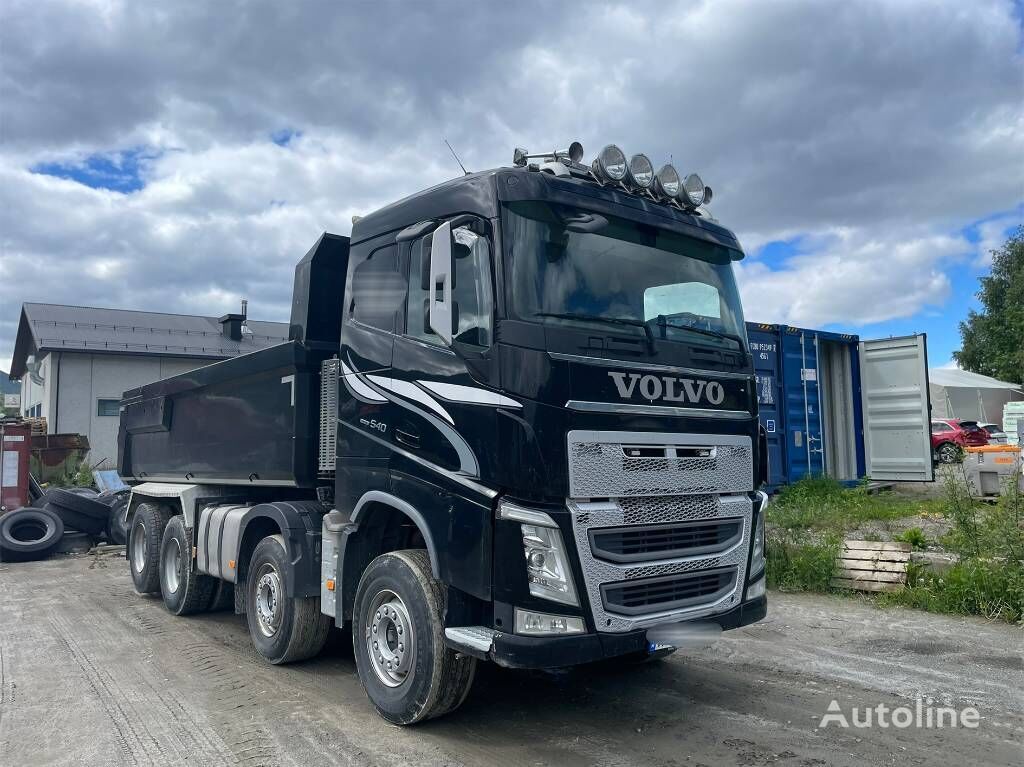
(648,333)
(662,321)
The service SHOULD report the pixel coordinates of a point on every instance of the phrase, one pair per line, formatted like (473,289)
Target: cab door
(374,299)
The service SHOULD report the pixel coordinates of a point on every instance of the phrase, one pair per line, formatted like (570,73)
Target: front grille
(670,592)
(682,539)
(657,586)
(632,464)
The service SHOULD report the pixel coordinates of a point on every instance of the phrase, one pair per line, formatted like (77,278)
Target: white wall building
(74,362)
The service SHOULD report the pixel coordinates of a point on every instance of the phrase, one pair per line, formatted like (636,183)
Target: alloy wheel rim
(139,547)
(390,638)
(269,598)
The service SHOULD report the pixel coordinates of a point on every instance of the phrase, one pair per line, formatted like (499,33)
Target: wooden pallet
(872,566)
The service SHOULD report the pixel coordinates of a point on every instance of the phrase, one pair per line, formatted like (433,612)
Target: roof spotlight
(575,151)
(641,172)
(694,193)
(666,181)
(707,195)
(610,164)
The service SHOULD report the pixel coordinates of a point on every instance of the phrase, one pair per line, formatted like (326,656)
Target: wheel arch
(381,523)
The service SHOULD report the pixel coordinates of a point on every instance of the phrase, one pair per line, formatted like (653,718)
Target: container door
(804,446)
(764,348)
(897,411)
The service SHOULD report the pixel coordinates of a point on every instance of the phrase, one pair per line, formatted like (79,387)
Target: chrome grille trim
(599,468)
(587,515)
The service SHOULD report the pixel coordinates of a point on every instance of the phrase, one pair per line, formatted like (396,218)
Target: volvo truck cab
(518,424)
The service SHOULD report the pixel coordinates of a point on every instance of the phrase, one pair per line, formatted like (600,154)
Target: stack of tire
(61,519)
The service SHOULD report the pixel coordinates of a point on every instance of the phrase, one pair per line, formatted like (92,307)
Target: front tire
(185,591)
(949,453)
(407,670)
(283,628)
(147,532)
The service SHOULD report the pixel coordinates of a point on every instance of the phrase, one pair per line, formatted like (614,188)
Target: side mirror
(441,269)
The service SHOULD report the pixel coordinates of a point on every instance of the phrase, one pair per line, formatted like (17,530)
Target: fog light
(542,624)
(756,590)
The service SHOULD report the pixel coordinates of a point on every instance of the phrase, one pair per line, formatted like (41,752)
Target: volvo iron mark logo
(668,388)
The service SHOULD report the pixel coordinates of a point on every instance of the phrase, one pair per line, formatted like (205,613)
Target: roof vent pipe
(245,318)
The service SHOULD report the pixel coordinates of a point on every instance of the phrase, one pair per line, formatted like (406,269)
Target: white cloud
(869,130)
(851,276)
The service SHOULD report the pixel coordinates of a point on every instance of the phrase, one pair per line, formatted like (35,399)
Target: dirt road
(92,674)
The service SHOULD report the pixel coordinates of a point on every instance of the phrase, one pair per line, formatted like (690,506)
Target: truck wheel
(147,531)
(184,590)
(406,669)
(283,629)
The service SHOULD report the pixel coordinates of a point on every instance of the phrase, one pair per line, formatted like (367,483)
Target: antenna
(464,171)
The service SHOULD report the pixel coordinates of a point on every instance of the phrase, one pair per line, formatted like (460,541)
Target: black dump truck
(516,421)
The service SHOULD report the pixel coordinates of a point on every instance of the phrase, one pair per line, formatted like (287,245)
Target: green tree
(993,339)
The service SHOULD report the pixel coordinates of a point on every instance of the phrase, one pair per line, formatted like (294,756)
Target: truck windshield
(673,287)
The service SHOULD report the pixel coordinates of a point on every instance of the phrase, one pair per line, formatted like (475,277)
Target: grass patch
(823,504)
(990,588)
(808,521)
(795,563)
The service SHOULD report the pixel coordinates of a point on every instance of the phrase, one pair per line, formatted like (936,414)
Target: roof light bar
(611,167)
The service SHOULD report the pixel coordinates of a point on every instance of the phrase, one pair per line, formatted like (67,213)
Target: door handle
(407,438)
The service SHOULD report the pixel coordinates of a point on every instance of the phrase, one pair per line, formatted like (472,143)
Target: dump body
(251,420)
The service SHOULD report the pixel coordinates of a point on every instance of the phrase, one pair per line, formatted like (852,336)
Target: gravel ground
(92,674)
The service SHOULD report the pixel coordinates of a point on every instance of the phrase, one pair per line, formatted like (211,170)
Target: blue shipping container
(809,397)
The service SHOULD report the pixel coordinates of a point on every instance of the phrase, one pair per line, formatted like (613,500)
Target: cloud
(187,155)
(853,277)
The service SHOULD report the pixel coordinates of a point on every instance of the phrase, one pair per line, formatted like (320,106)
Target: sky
(179,157)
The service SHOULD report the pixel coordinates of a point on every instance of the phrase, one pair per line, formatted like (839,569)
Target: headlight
(694,194)
(610,164)
(666,182)
(547,561)
(641,172)
(757,555)
(547,567)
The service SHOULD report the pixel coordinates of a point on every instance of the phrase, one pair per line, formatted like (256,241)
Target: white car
(996,435)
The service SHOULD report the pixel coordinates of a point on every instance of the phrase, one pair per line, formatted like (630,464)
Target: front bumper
(514,651)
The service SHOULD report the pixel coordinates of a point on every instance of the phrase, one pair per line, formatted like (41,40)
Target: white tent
(970,396)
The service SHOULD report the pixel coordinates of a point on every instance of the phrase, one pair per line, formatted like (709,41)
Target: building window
(108,407)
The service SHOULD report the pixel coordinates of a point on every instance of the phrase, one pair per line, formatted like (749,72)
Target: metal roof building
(75,361)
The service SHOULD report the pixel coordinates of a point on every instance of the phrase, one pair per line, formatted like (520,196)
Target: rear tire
(147,531)
(283,629)
(399,617)
(185,591)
